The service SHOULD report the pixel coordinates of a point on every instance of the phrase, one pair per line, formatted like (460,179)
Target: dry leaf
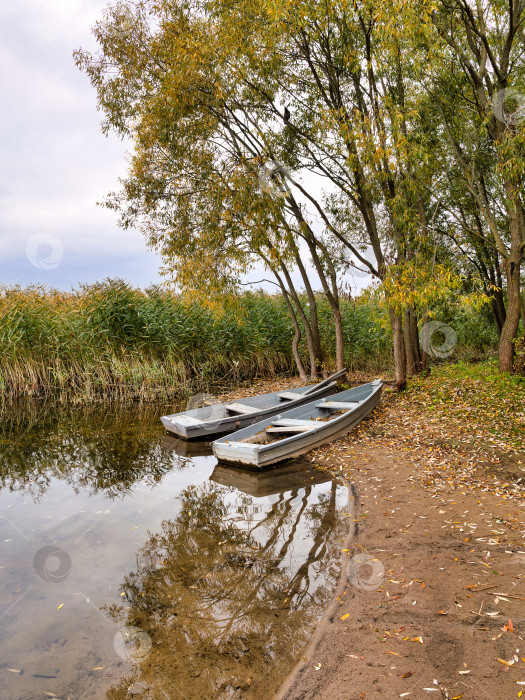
(509,627)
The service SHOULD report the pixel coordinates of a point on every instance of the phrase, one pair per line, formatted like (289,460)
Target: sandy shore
(432,598)
(431,601)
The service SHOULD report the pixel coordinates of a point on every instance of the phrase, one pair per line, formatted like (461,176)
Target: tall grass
(108,340)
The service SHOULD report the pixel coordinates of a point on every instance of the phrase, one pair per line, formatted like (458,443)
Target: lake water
(133,566)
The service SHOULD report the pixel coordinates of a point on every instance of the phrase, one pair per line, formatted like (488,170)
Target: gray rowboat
(221,418)
(295,432)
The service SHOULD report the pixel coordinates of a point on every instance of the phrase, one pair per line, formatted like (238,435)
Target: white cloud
(56,163)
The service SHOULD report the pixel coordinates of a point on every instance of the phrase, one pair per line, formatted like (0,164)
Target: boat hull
(210,421)
(232,450)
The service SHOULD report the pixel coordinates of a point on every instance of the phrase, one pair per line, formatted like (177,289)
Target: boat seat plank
(338,404)
(289,429)
(297,422)
(240,408)
(186,420)
(289,396)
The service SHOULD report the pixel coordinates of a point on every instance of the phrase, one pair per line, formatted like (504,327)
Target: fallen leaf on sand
(509,627)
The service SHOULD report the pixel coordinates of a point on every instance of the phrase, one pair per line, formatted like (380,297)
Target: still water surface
(132,565)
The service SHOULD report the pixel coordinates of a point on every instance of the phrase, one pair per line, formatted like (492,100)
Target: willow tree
(214,92)
(353,102)
(199,183)
(475,72)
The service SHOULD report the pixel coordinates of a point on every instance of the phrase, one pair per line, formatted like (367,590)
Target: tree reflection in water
(228,592)
(97,448)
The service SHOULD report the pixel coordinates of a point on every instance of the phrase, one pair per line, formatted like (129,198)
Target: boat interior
(304,418)
(245,406)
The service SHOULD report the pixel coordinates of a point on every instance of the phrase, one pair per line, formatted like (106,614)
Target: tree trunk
(297,329)
(296,339)
(304,319)
(519,363)
(333,300)
(399,350)
(510,327)
(412,349)
(499,312)
(425,366)
(517,245)
(339,339)
(314,321)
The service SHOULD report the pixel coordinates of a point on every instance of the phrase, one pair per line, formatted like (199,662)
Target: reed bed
(110,341)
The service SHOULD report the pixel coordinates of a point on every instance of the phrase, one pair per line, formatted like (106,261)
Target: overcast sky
(55,162)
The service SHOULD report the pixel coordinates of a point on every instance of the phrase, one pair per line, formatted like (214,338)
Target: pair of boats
(271,428)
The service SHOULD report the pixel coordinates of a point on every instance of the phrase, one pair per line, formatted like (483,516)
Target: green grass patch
(485,407)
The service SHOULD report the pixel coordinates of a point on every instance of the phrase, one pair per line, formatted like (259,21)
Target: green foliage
(112,341)
(475,329)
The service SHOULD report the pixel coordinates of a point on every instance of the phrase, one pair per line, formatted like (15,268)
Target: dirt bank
(439,609)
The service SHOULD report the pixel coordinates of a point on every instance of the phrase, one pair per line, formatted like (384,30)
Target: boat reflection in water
(229,590)
(291,476)
(186,448)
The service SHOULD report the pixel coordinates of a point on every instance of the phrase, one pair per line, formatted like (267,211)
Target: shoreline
(434,624)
